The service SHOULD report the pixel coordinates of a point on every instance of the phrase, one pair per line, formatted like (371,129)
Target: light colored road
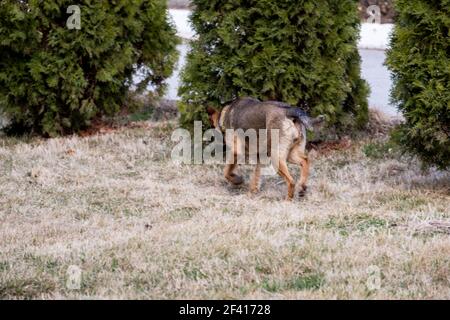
(379,78)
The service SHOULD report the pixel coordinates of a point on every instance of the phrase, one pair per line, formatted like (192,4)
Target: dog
(292,124)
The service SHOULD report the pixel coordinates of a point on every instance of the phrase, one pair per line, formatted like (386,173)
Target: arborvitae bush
(54,80)
(420,61)
(300,52)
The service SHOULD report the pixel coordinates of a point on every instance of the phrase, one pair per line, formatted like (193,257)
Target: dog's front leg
(231,176)
(254,184)
(230,167)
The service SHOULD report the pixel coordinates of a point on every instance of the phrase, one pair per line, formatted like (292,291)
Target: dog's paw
(289,198)
(235,179)
(302,191)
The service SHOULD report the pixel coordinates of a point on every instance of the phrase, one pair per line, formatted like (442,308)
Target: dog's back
(250,113)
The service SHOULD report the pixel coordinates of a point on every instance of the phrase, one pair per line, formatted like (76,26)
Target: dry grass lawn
(139,227)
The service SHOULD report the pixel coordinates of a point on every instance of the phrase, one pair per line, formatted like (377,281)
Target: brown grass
(139,227)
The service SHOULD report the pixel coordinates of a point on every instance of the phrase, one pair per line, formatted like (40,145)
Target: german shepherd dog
(292,124)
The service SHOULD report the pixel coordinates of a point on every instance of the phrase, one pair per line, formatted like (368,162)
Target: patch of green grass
(312,282)
(143,115)
(26,288)
(146,283)
(301,283)
(42,263)
(380,150)
(182,214)
(401,201)
(140,284)
(114,264)
(371,224)
(361,222)
(263,269)
(194,273)
(4,266)
(273,286)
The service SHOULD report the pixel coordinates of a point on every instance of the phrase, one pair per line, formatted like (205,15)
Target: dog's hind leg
(279,155)
(279,161)
(284,172)
(298,157)
(229,168)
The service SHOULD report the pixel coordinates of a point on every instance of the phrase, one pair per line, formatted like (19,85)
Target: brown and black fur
(292,123)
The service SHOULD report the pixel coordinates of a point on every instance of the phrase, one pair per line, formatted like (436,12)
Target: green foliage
(299,52)
(301,283)
(54,80)
(142,115)
(420,61)
(381,150)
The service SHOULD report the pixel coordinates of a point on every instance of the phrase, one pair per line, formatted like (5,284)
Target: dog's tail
(303,117)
